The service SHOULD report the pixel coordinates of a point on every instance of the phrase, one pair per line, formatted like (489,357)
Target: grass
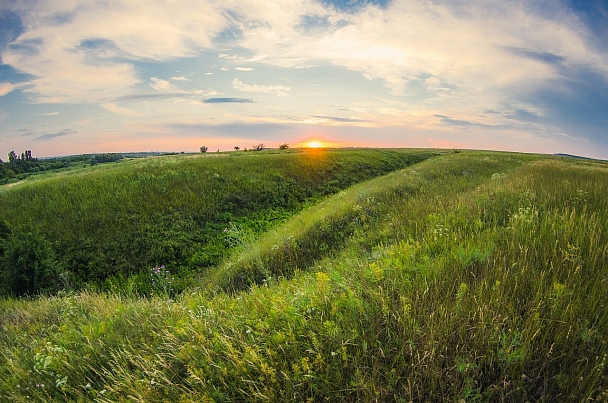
(109,224)
(472,276)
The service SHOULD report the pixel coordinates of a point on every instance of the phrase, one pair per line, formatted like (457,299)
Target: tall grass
(468,277)
(107,225)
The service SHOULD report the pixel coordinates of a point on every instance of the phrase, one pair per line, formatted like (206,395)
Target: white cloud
(180,78)
(6,88)
(166,87)
(119,110)
(464,46)
(243,68)
(279,90)
(50,114)
(72,47)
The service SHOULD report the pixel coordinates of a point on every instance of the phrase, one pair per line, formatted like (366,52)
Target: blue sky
(153,75)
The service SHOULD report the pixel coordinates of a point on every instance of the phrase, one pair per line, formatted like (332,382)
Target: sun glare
(314,144)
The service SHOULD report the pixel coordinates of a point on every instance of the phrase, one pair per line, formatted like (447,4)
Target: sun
(314,144)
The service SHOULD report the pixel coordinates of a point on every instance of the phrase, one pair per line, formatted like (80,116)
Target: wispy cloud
(180,78)
(243,68)
(50,136)
(166,87)
(228,100)
(119,110)
(279,90)
(6,88)
(49,114)
(465,123)
(339,119)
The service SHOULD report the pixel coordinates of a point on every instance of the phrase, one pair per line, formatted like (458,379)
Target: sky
(92,76)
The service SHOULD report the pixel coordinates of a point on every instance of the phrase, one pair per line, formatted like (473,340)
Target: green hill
(469,276)
(106,226)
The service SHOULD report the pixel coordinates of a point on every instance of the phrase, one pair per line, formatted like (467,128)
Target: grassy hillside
(107,226)
(471,276)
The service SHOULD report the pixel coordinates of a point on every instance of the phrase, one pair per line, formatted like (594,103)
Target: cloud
(6,88)
(465,123)
(339,119)
(49,114)
(119,110)
(355,5)
(228,100)
(180,79)
(468,48)
(543,57)
(524,115)
(50,136)
(243,68)
(279,90)
(166,87)
(85,53)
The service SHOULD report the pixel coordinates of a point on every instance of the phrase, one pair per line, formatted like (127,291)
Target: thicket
(105,227)
(468,277)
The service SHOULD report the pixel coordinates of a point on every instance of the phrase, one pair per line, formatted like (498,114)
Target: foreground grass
(475,276)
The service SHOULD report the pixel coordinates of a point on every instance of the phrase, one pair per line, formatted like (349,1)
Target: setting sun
(314,144)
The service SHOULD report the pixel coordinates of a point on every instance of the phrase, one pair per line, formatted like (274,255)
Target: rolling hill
(394,275)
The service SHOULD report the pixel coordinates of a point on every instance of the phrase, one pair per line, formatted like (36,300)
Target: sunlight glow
(314,144)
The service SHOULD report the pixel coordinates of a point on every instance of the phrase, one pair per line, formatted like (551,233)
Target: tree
(236,148)
(259,147)
(284,146)
(12,156)
(204,149)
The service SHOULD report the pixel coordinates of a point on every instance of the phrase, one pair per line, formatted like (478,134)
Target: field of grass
(106,226)
(470,276)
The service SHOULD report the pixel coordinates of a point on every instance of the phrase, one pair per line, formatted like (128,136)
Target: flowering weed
(160,282)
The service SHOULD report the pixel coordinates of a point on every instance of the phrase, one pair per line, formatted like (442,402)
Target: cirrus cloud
(279,90)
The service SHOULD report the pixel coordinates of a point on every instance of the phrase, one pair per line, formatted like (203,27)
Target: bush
(28,264)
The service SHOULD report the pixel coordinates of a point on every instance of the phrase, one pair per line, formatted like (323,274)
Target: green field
(344,275)
(104,227)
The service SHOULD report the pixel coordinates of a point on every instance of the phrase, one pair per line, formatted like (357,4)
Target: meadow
(104,227)
(460,276)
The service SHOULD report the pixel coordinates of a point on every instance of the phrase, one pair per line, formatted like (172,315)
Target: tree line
(21,166)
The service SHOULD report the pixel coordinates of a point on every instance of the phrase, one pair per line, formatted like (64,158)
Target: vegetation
(471,276)
(19,167)
(106,226)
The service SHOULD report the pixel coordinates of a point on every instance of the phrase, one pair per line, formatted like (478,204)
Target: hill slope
(108,226)
(477,276)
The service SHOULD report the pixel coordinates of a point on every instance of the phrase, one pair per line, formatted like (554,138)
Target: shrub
(28,264)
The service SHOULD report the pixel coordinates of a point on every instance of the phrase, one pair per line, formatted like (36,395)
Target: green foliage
(25,166)
(28,264)
(473,276)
